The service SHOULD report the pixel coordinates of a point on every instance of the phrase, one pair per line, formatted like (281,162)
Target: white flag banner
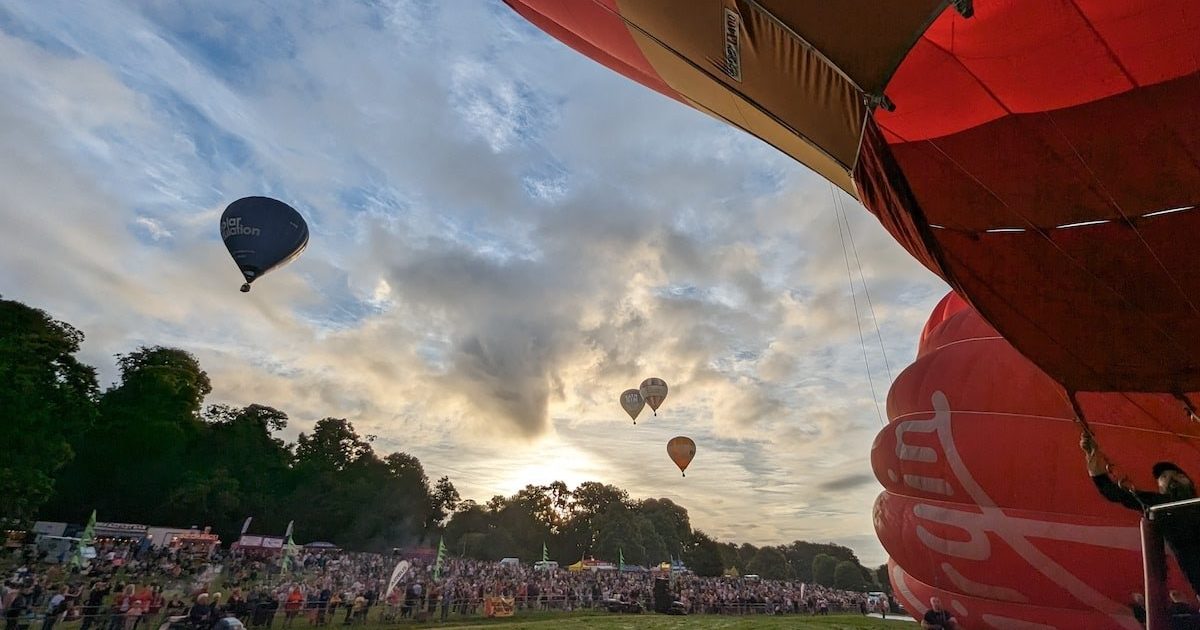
(398,574)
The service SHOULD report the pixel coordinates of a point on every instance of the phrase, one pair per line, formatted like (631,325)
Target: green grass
(650,621)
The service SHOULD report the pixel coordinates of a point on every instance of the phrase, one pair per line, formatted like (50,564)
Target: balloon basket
(246,287)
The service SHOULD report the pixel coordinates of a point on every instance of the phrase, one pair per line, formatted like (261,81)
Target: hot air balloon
(986,501)
(654,392)
(1038,156)
(262,234)
(682,450)
(632,402)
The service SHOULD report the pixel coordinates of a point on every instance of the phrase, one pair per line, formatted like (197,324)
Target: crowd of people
(126,588)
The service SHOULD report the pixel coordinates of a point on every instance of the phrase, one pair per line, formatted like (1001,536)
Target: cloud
(152,228)
(505,236)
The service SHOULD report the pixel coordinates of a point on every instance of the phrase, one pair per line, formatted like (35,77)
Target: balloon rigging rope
(854,300)
(866,290)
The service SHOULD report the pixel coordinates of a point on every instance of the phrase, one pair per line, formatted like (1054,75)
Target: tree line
(148,449)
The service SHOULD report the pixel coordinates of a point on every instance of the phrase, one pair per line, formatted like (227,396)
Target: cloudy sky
(505,235)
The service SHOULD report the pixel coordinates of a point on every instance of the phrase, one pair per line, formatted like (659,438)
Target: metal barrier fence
(275,616)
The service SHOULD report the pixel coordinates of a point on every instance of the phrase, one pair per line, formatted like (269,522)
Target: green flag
(621,555)
(85,541)
(545,554)
(437,566)
(289,555)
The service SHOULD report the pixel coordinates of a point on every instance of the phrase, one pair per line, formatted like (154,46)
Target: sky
(504,236)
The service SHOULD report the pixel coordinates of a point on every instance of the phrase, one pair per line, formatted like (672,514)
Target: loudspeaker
(662,595)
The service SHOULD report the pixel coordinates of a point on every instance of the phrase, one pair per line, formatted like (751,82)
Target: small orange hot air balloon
(632,402)
(682,450)
(654,391)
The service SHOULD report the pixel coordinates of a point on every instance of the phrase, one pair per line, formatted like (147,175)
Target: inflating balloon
(262,234)
(986,501)
(654,392)
(632,402)
(1039,156)
(682,450)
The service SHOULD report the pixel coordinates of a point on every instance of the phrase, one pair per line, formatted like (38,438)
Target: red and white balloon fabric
(987,503)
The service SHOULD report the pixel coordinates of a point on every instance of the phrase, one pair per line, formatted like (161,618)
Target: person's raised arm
(1096,465)
(1098,468)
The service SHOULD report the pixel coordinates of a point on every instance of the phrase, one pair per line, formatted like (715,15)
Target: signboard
(398,574)
(250,541)
(498,606)
(120,530)
(49,528)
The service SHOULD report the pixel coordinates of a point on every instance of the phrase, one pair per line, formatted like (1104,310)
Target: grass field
(606,621)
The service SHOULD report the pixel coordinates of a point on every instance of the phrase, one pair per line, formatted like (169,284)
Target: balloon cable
(866,290)
(854,300)
(1110,468)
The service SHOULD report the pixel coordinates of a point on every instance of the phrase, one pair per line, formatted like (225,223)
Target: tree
(801,554)
(670,523)
(445,500)
(588,501)
(142,446)
(237,445)
(848,576)
(883,579)
(703,556)
(334,445)
(824,567)
(769,563)
(46,395)
(537,500)
(730,558)
(617,534)
(745,554)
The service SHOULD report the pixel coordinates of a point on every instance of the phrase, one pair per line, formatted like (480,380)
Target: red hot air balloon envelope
(987,503)
(1041,157)
(681,449)
(262,234)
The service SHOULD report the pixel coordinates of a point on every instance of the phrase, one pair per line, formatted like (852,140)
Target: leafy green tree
(240,449)
(746,553)
(770,563)
(824,567)
(883,579)
(703,556)
(671,525)
(46,396)
(445,499)
(137,453)
(848,576)
(334,445)
(730,557)
(617,534)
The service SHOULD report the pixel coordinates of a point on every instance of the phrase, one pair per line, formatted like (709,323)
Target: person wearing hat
(1181,529)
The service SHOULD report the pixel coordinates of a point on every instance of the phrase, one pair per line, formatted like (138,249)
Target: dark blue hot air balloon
(261,234)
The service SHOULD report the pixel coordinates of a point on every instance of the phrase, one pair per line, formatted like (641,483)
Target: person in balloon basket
(1181,530)
(938,618)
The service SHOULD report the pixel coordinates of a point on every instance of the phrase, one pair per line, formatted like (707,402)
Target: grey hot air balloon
(261,234)
(632,403)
